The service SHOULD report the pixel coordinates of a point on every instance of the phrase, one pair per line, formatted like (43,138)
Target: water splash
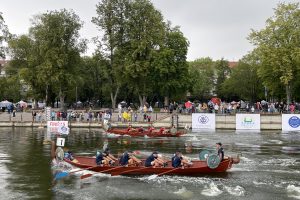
(211,190)
(183,192)
(293,191)
(236,191)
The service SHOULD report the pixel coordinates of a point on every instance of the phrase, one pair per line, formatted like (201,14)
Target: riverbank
(267,122)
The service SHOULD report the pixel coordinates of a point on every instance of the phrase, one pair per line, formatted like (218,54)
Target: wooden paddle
(160,174)
(103,171)
(127,171)
(61,175)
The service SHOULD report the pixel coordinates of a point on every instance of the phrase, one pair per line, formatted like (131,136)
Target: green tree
(222,73)
(145,34)
(278,47)
(244,82)
(111,20)
(52,57)
(4,35)
(202,77)
(170,73)
(94,78)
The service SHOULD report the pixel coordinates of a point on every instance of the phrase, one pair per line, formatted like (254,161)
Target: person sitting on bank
(220,150)
(178,160)
(154,161)
(128,159)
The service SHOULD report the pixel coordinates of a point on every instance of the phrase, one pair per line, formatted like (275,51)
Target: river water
(269,167)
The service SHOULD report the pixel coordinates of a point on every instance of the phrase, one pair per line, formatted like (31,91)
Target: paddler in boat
(154,161)
(151,128)
(130,129)
(101,159)
(178,160)
(128,159)
(141,129)
(110,157)
(220,150)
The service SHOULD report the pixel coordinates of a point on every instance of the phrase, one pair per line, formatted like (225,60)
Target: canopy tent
(5,103)
(22,104)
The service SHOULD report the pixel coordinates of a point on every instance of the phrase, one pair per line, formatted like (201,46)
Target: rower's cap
(219,143)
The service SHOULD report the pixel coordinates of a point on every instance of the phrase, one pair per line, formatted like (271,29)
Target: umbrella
(216,100)
(188,104)
(5,103)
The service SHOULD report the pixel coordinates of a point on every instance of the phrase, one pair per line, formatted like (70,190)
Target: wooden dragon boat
(198,168)
(154,133)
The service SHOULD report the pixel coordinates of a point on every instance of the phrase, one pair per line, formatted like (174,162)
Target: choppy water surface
(269,168)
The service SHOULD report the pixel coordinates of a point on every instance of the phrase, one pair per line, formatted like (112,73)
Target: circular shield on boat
(213,161)
(204,154)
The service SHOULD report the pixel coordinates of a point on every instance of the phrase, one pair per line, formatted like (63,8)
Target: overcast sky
(214,28)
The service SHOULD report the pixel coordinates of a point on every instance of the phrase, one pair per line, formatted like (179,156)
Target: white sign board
(204,121)
(291,122)
(48,113)
(60,142)
(58,127)
(247,121)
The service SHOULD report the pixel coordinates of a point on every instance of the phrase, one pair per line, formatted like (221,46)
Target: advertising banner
(204,121)
(291,122)
(58,127)
(247,122)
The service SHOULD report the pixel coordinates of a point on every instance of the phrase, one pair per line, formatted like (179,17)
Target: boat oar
(61,175)
(103,171)
(127,171)
(160,174)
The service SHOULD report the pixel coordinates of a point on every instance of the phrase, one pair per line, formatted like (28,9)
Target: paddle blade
(152,177)
(85,176)
(61,175)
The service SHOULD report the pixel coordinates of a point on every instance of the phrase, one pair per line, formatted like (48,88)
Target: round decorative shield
(204,154)
(213,161)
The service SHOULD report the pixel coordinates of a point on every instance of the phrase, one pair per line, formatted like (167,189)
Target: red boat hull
(198,168)
(135,133)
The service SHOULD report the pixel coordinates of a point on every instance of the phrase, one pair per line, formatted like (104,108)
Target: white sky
(215,28)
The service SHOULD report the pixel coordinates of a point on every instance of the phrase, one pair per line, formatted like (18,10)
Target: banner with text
(247,121)
(58,127)
(291,122)
(204,121)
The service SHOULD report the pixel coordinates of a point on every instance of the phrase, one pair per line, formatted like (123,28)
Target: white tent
(22,104)
(5,103)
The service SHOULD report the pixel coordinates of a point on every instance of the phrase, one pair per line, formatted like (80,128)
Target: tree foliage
(4,35)
(48,58)
(201,72)
(244,82)
(278,48)
(222,73)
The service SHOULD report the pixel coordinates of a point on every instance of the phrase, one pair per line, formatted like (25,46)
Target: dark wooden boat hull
(198,168)
(135,133)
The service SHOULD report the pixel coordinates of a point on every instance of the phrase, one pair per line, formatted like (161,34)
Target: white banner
(247,121)
(48,113)
(291,122)
(203,121)
(57,123)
